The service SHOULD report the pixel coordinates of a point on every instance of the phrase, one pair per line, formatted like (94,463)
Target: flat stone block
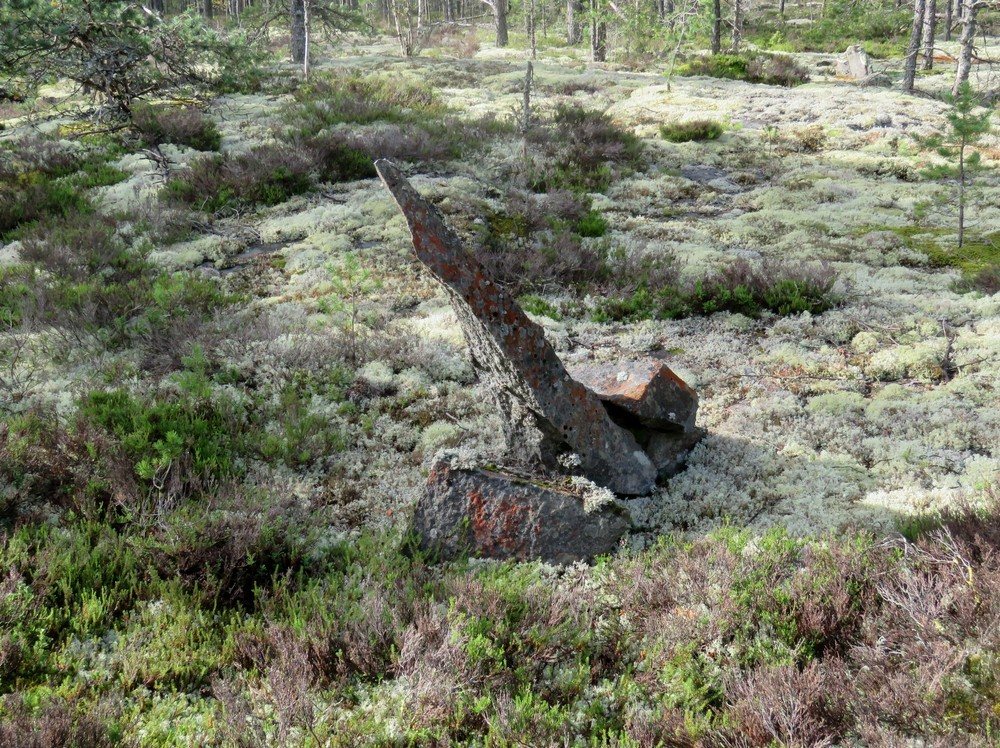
(493,515)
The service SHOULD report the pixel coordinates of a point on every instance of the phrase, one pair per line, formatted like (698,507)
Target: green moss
(975,254)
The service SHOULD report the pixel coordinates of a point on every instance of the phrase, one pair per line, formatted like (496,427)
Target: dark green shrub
(17,289)
(223,557)
(776,70)
(40,178)
(30,197)
(267,175)
(733,67)
(178,125)
(175,444)
(689,130)
(883,30)
(592,225)
(737,287)
(986,280)
(338,162)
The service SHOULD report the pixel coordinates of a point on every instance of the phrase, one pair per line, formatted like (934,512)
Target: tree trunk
(298,22)
(716,26)
(965,42)
(156,6)
(206,8)
(930,19)
(306,25)
(574,9)
(961,195)
(948,5)
(737,25)
(500,19)
(781,8)
(598,34)
(531,29)
(910,69)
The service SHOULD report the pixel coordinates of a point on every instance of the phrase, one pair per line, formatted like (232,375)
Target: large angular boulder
(478,512)
(544,410)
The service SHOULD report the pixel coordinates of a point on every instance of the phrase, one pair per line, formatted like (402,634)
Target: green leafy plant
(352,284)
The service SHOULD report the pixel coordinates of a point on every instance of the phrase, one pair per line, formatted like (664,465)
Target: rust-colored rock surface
(545,411)
(492,515)
(647,390)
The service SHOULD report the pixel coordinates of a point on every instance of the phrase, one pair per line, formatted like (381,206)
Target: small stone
(647,390)
(669,451)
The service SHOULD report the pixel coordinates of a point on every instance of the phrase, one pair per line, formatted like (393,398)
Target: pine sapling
(966,127)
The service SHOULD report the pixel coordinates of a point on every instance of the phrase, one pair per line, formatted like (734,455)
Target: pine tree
(966,127)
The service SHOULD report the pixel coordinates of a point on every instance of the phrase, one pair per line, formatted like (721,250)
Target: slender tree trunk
(781,8)
(716,26)
(298,23)
(598,33)
(910,69)
(930,19)
(948,5)
(156,6)
(965,42)
(961,195)
(500,21)
(737,25)
(206,8)
(531,29)
(306,29)
(574,9)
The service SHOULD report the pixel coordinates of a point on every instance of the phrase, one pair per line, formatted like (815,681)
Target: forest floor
(220,403)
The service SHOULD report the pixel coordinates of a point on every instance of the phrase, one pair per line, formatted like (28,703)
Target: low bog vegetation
(775,640)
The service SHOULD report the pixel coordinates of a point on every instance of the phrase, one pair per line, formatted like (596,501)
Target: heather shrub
(26,197)
(221,558)
(537,242)
(688,130)
(41,178)
(337,161)
(55,722)
(354,98)
(267,175)
(178,125)
(985,280)
(581,150)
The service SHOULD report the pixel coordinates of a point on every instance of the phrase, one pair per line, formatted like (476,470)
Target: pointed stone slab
(491,515)
(544,410)
(646,390)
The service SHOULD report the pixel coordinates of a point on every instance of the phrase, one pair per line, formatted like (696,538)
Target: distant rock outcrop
(855,63)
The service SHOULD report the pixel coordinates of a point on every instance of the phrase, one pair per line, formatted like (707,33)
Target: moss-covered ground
(223,378)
